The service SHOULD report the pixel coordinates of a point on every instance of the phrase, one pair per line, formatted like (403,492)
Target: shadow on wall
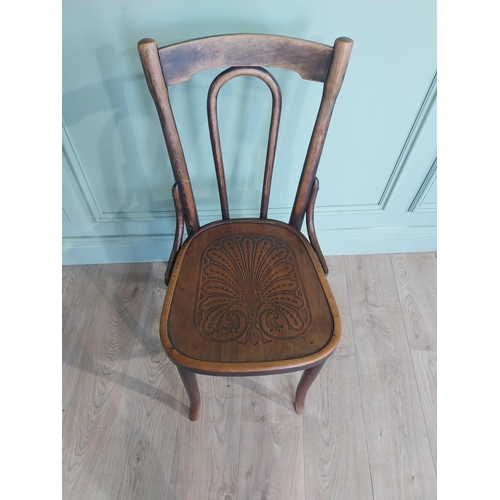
(133,184)
(109,95)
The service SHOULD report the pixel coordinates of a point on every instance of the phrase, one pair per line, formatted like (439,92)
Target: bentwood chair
(246,296)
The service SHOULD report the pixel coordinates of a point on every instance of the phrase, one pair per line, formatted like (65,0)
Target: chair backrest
(244,54)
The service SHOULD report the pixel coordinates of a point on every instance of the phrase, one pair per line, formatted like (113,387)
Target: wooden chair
(246,296)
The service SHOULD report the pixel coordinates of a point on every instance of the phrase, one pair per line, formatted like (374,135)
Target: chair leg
(191,385)
(304,383)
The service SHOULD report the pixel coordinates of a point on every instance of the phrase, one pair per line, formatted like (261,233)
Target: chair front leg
(191,385)
(305,382)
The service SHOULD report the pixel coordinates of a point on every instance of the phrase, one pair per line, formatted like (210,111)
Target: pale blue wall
(378,171)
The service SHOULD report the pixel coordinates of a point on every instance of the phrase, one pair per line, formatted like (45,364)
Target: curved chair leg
(189,380)
(304,383)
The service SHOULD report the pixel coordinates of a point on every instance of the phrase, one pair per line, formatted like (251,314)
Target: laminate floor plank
(86,310)
(67,276)
(205,453)
(398,446)
(425,364)
(416,276)
(335,448)
(224,416)
(138,462)
(416,279)
(93,388)
(81,285)
(271,462)
(337,281)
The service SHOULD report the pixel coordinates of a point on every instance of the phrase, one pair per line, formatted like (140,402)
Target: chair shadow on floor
(125,285)
(286,400)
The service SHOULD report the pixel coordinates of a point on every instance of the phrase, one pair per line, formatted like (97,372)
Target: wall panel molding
(418,124)
(338,209)
(418,204)
(78,172)
(407,147)
(65,216)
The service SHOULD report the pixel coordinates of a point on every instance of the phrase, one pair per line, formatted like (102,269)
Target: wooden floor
(369,430)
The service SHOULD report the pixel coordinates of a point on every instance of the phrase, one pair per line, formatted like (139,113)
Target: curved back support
(177,63)
(223,78)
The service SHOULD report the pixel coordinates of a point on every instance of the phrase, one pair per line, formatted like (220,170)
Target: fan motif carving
(250,289)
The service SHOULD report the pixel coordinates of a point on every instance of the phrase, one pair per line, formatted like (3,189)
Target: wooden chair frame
(245,54)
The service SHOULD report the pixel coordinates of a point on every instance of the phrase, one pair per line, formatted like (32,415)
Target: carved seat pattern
(250,289)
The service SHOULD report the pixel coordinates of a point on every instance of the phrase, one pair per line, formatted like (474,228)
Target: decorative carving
(250,289)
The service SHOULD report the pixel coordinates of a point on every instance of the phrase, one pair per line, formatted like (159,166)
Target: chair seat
(248,296)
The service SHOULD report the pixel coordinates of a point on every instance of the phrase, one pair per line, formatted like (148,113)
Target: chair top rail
(311,60)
